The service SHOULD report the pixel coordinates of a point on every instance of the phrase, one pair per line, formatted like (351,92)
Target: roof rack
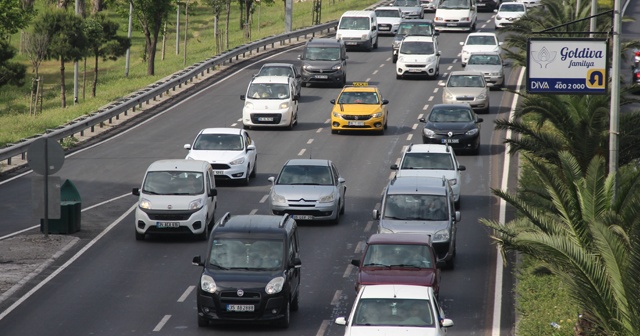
(225,218)
(284,220)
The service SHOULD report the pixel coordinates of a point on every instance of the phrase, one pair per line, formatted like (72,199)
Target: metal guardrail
(158,89)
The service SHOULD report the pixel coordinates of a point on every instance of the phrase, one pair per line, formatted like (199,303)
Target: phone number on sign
(571,86)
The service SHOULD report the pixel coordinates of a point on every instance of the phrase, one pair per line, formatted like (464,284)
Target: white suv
(431,160)
(480,42)
(418,55)
(230,151)
(270,101)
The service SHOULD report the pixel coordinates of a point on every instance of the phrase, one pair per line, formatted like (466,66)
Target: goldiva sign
(567,65)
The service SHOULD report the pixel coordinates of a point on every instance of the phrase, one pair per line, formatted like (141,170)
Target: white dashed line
(234,124)
(319,130)
(426,107)
(431,98)
(348,271)
(264,198)
(239,120)
(391,176)
(456,60)
(450,67)
(253,212)
(162,322)
(336,298)
(381,65)
(310,141)
(367,80)
(367,228)
(327,121)
(420,115)
(359,247)
(415,126)
(323,327)
(375,72)
(436,90)
(302,152)
(186,293)
(410,136)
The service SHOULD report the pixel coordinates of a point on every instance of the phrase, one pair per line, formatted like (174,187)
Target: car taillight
(637,75)
(637,53)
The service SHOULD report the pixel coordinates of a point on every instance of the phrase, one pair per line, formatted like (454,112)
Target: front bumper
(223,171)
(315,211)
(452,25)
(428,69)
(273,118)
(357,123)
(324,76)
(171,221)
(458,141)
(214,307)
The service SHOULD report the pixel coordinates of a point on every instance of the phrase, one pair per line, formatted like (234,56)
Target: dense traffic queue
(251,270)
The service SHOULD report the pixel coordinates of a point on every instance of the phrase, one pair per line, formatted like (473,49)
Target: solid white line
(264,198)
(347,272)
(323,327)
(497,300)
(162,322)
(105,202)
(186,293)
(336,297)
(69,262)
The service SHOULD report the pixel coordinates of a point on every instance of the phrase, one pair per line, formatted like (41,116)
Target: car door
(297,79)
(342,188)
(252,154)
(293,253)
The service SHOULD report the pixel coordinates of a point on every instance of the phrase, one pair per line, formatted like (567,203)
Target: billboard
(567,65)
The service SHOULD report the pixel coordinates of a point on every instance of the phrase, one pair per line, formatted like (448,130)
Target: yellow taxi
(359,107)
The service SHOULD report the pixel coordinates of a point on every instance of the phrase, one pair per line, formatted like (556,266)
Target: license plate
(241,308)
(321,76)
(415,70)
(481,5)
(162,225)
(450,140)
(452,24)
(302,217)
(356,123)
(351,43)
(218,172)
(265,118)
(384,28)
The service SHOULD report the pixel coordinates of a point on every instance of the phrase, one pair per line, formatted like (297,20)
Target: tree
(14,17)
(10,72)
(104,42)
(216,6)
(584,236)
(67,40)
(151,15)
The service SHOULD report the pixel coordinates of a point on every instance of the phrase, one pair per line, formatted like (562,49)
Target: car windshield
(393,312)
(246,254)
(417,48)
(415,29)
(305,175)
(465,81)
(484,59)
(359,98)
(322,54)
(387,13)
(276,71)
(481,40)
(461,115)
(222,142)
(415,207)
(173,183)
(512,8)
(354,23)
(407,255)
(268,91)
(454,4)
(407,3)
(438,161)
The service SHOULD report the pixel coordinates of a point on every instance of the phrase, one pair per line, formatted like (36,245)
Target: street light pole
(126,64)
(75,66)
(614,118)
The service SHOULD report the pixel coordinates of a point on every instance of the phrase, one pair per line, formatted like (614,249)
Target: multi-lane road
(122,286)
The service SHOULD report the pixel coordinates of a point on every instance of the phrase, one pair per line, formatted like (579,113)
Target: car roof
(513,3)
(482,34)
(389,8)
(417,21)
(358,13)
(254,224)
(418,38)
(351,88)
(178,165)
(324,41)
(396,292)
(400,238)
(283,65)
(308,162)
(271,79)
(429,148)
(466,73)
(417,185)
(221,130)
(456,105)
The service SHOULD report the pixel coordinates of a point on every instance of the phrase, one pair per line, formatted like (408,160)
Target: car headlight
(415,13)
(481,96)
(365,36)
(453,182)
(306,67)
(326,199)
(377,115)
(471,132)
(337,67)
(207,284)
(448,95)
(237,161)
(277,199)
(248,106)
(196,204)
(441,236)
(438,18)
(464,19)
(145,204)
(284,105)
(274,286)
(498,17)
(428,133)
(337,115)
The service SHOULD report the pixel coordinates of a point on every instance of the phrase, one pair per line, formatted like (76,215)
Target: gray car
(490,64)
(467,87)
(414,204)
(283,69)
(411,9)
(308,189)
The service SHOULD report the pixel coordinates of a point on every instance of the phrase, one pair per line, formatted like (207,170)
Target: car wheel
(139,236)
(205,233)
(286,320)
(295,303)
(394,59)
(291,123)
(247,178)
(202,322)
(255,169)
(337,219)
(343,206)
(386,123)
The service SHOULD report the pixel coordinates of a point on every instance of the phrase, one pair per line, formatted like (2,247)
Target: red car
(398,258)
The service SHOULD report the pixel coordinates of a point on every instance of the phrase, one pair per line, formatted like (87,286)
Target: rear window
(417,29)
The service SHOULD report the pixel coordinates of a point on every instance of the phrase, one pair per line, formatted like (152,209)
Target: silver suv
(421,205)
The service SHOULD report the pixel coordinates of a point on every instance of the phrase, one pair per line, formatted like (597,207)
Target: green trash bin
(70,211)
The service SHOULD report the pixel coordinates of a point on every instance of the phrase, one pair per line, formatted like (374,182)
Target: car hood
(307,192)
(357,109)
(449,174)
(390,20)
(412,58)
(172,202)
(484,68)
(242,279)
(481,48)
(215,156)
(320,65)
(448,14)
(413,226)
(465,91)
(397,275)
(388,331)
(450,126)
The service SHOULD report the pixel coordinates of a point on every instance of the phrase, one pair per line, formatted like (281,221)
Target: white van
(456,15)
(176,196)
(270,101)
(358,29)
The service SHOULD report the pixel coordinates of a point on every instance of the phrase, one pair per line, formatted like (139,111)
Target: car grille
(255,116)
(248,298)
(169,215)
(220,166)
(446,134)
(465,98)
(320,71)
(451,20)
(351,39)
(356,117)
(415,65)
(384,25)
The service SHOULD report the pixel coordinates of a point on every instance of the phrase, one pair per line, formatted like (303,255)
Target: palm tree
(584,236)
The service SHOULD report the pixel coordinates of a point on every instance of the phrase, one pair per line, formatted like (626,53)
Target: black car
(251,272)
(487,5)
(453,124)
(283,69)
(324,60)
(421,27)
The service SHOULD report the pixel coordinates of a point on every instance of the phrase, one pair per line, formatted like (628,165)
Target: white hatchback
(418,55)
(508,13)
(270,101)
(395,310)
(479,42)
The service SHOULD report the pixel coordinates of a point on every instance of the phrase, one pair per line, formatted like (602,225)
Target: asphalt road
(123,286)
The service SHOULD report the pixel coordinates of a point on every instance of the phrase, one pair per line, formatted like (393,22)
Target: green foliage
(10,72)
(67,40)
(14,17)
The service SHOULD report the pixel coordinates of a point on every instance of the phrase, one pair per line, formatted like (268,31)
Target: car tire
(202,322)
(247,178)
(394,59)
(254,171)
(286,320)
(337,219)
(139,236)
(295,303)
(205,233)
(343,205)
(386,123)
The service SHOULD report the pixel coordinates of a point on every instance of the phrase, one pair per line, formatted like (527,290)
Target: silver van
(176,197)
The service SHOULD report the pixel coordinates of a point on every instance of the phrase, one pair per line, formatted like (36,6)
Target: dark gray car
(324,60)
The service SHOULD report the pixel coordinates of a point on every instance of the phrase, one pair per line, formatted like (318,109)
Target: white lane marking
(359,247)
(302,152)
(253,212)
(234,124)
(497,299)
(431,98)
(367,228)
(319,130)
(367,80)
(455,60)
(375,72)
(323,326)
(336,297)
(390,176)
(381,65)
(348,271)
(162,322)
(426,107)
(66,264)
(414,126)
(186,293)
(420,115)
(310,141)
(450,67)
(410,136)
(327,121)
(436,89)
(239,120)
(264,198)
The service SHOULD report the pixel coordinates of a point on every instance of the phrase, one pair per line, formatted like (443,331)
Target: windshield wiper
(405,265)
(375,264)
(218,266)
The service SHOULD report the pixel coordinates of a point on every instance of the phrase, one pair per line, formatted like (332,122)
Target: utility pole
(75,66)
(178,28)
(186,30)
(614,118)
(288,9)
(126,64)
(593,21)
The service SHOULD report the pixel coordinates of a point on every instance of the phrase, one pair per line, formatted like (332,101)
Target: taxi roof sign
(360,83)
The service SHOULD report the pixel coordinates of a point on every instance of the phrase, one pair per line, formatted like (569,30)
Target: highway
(122,286)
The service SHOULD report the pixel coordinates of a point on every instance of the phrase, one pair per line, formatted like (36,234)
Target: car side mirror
(438,53)
(436,33)
(479,120)
(490,84)
(251,147)
(271,179)
(355,262)
(332,101)
(346,58)
(213,192)
(442,84)
(385,102)
(135,191)
(394,167)
(197,261)
(296,97)
(376,214)
(373,28)
(445,323)
(341,321)
(500,43)
(462,44)
(458,217)
(341,180)
(462,168)
(298,76)
(187,146)
(422,120)
(495,10)
(297,263)
(299,57)
(242,97)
